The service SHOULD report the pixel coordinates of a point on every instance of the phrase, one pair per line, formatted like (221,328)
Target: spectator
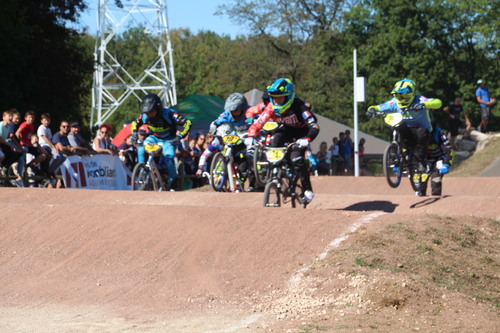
(348,149)
(24,133)
(208,140)
(128,152)
(55,159)
(454,110)
(12,153)
(14,125)
(60,139)
(77,141)
(324,159)
(485,104)
(335,159)
(102,142)
(361,154)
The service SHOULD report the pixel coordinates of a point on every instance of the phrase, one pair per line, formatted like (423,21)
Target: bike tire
(141,178)
(416,177)
(272,196)
(261,167)
(296,195)
(218,173)
(393,164)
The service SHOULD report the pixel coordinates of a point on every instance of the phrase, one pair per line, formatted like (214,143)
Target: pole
(356,145)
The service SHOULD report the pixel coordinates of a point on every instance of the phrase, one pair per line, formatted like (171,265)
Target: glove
(176,141)
(134,139)
(371,112)
(419,106)
(444,169)
(249,121)
(303,143)
(199,172)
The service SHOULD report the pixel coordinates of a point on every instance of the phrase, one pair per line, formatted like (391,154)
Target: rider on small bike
(417,125)
(235,108)
(162,124)
(297,122)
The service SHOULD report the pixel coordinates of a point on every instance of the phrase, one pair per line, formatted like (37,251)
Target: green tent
(201,110)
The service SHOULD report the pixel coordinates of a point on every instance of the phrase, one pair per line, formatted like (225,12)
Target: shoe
(418,194)
(17,183)
(53,181)
(250,189)
(308,196)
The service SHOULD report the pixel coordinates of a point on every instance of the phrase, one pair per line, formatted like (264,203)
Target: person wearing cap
(77,141)
(485,104)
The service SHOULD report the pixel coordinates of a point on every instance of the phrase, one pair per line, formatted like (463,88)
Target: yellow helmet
(404,92)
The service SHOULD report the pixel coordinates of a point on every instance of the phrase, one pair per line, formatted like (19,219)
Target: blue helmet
(404,92)
(281,87)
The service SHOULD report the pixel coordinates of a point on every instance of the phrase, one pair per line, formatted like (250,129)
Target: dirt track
(97,261)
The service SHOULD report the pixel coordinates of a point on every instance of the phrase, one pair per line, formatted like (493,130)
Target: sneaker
(418,194)
(53,181)
(308,196)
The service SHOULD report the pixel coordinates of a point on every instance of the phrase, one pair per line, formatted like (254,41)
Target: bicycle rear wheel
(261,166)
(141,178)
(272,197)
(392,164)
(218,173)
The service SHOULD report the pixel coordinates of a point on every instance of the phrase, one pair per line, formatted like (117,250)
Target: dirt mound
(76,260)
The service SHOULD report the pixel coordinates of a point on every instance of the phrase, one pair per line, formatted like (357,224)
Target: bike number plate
(231,138)
(151,147)
(270,125)
(392,119)
(275,155)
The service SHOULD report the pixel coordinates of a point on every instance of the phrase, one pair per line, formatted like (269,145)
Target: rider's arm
(181,121)
(256,127)
(433,103)
(310,120)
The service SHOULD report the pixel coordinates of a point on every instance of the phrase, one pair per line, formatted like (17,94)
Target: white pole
(356,146)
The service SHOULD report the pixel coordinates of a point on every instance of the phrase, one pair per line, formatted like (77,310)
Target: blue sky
(193,14)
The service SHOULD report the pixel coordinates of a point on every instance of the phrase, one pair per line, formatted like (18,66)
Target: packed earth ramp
(194,261)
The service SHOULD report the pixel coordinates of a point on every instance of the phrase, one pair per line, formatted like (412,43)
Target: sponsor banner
(97,172)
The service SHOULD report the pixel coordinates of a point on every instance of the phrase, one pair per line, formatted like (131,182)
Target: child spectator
(128,153)
(24,133)
(12,153)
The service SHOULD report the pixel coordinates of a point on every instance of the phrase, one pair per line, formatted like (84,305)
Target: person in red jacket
(297,123)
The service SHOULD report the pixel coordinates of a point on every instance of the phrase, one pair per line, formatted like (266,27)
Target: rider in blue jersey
(162,124)
(235,108)
(417,119)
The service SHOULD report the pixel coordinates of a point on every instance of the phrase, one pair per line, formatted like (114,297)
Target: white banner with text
(97,172)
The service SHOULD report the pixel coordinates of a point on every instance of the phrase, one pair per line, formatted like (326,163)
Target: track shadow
(428,201)
(384,206)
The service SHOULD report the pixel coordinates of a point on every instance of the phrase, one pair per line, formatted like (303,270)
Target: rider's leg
(169,160)
(300,166)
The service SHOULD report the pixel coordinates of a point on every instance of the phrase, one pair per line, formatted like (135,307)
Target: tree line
(443,46)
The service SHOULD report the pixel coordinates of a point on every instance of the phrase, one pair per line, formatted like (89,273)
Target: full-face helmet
(236,103)
(281,87)
(404,92)
(150,103)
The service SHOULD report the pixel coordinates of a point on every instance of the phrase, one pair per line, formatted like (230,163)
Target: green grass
(479,161)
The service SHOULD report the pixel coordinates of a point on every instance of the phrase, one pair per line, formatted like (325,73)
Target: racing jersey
(164,125)
(298,118)
(240,125)
(412,118)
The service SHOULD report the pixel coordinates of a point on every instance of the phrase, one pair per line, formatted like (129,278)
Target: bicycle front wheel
(141,178)
(392,164)
(261,166)
(272,196)
(218,173)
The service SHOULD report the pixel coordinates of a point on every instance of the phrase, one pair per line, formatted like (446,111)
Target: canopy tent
(122,134)
(201,110)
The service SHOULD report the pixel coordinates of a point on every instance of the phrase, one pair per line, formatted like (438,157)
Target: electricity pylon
(113,84)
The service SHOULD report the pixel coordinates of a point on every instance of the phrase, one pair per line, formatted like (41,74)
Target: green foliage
(443,46)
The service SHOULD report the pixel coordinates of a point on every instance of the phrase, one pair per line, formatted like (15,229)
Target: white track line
(298,275)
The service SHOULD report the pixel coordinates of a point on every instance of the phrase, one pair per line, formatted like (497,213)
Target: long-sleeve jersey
(298,119)
(164,125)
(416,119)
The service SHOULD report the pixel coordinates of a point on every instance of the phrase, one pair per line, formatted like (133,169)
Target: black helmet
(265,97)
(150,103)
